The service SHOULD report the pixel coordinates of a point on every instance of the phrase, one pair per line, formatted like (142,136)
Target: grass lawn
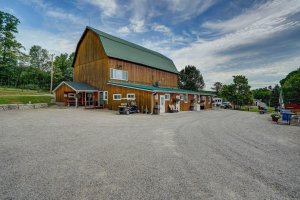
(19,96)
(17,91)
(255,109)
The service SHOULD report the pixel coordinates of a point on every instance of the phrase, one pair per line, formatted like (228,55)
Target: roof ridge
(120,40)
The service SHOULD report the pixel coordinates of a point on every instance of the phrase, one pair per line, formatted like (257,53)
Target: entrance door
(162,104)
(101,100)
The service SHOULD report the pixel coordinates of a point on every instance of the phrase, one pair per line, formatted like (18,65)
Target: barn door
(101,100)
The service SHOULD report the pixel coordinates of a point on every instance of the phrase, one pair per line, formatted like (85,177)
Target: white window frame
(199,98)
(169,97)
(186,98)
(117,99)
(203,98)
(130,98)
(209,99)
(105,95)
(118,71)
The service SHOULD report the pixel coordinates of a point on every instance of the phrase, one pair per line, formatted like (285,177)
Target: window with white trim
(203,98)
(117,97)
(105,95)
(185,98)
(118,74)
(167,97)
(199,98)
(209,99)
(130,96)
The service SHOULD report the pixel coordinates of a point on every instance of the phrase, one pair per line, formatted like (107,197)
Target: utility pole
(52,71)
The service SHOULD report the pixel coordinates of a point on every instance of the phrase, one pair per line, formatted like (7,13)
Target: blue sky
(222,38)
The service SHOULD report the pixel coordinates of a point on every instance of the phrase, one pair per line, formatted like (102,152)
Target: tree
(39,58)
(244,95)
(63,70)
(291,87)
(274,100)
(9,47)
(238,92)
(217,87)
(190,78)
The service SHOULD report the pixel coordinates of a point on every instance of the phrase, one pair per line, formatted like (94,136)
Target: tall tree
(39,58)
(238,92)
(217,87)
(9,47)
(190,78)
(291,87)
(63,70)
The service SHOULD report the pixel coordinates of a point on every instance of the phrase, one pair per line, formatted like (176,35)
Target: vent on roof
(156,84)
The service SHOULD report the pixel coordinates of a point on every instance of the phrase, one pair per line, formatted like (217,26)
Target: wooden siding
(144,75)
(91,62)
(59,93)
(142,98)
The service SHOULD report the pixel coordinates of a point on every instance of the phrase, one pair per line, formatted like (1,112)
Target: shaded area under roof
(160,89)
(121,49)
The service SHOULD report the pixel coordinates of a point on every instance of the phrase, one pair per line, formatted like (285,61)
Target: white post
(51,82)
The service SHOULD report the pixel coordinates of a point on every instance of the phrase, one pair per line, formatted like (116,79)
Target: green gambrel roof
(124,50)
(159,89)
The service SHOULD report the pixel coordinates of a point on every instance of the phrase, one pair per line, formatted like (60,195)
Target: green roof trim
(77,86)
(159,89)
(121,49)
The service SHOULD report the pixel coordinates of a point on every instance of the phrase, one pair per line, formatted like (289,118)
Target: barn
(109,71)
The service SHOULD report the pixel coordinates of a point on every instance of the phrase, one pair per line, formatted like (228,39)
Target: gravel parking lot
(92,154)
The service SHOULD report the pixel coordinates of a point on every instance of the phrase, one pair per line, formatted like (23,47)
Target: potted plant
(275,117)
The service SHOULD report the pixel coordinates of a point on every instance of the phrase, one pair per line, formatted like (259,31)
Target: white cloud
(251,27)
(187,9)
(57,13)
(161,28)
(124,30)
(137,25)
(53,42)
(107,7)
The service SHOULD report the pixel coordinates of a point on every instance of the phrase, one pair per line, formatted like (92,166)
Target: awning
(151,88)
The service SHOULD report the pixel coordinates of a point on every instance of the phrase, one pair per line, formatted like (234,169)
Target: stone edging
(4,107)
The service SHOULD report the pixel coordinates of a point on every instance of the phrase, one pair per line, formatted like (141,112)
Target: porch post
(84,99)
(76,100)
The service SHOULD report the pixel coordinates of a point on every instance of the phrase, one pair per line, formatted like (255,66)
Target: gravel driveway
(92,154)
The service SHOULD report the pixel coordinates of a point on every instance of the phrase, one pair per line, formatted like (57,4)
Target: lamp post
(52,71)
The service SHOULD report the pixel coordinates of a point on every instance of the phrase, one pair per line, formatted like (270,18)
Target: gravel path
(89,154)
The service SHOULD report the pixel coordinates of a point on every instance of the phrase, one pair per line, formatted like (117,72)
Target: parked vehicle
(226,105)
(127,109)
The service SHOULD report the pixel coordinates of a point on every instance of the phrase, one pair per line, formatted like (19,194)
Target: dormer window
(118,74)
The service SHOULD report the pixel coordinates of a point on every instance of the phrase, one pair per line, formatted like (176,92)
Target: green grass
(255,109)
(20,96)
(16,91)
(24,99)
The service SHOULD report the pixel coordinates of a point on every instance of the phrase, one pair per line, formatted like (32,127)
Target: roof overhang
(76,90)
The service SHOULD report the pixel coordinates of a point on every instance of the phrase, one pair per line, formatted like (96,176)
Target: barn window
(105,95)
(118,74)
(117,96)
(131,96)
(167,97)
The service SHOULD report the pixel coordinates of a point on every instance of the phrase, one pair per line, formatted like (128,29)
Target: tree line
(30,70)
